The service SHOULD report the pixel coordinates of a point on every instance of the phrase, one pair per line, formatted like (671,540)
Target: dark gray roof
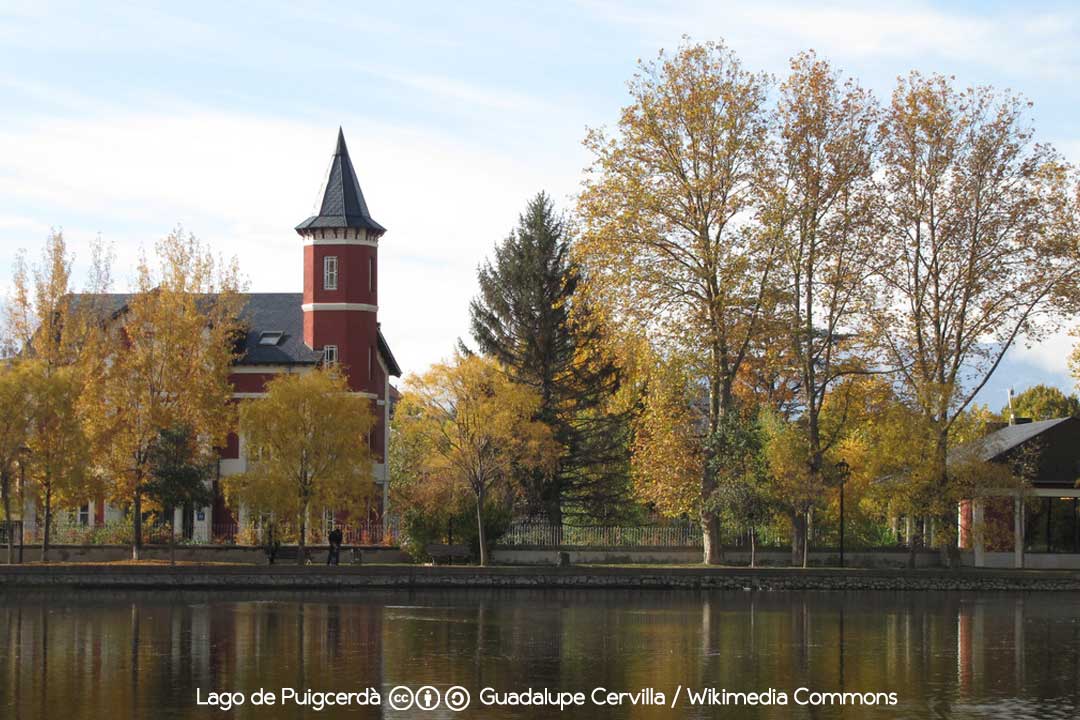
(995,444)
(343,204)
(268,312)
(263,312)
(384,349)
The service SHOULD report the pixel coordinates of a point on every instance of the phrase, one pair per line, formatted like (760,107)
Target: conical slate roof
(342,203)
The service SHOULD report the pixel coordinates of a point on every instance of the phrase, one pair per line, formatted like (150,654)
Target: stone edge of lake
(107,576)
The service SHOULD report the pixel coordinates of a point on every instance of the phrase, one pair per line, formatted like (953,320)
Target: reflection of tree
(130,654)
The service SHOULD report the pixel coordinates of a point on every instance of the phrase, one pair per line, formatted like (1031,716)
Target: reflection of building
(334,320)
(1040,518)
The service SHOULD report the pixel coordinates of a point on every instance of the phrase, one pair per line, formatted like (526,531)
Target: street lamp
(842,471)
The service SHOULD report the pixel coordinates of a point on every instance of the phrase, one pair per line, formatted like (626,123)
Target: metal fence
(120,532)
(544,534)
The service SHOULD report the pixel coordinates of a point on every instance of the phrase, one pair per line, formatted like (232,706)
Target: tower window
(330,272)
(330,354)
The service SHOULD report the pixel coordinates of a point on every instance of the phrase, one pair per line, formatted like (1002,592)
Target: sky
(126,120)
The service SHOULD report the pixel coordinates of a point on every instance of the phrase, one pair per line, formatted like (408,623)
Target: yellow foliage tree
(820,209)
(165,363)
(667,461)
(476,427)
(665,245)
(981,224)
(307,447)
(16,409)
(61,332)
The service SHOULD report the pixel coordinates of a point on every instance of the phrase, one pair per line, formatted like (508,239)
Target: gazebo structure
(1042,513)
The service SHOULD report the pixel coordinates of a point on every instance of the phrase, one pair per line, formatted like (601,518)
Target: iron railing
(120,532)
(544,534)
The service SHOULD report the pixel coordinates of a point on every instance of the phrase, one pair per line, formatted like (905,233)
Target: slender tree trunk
(753,546)
(710,523)
(480,527)
(172,538)
(48,525)
(300,551)
(806,540)
(5,486)
(136,518)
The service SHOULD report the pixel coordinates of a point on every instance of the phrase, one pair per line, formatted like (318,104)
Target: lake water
(90,654)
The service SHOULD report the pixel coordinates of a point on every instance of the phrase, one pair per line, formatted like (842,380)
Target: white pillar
(1018,532)
(977,532)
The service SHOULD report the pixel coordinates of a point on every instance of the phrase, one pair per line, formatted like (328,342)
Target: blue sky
(126,119)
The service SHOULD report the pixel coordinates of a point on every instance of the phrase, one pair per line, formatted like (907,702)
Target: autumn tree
(666,244)
(180,474)
(59,458)
(820,212)
(477,428)
(980,228)
(530,317)
(61,332)
(1042,402)
(165,364)
(16,408)
(667,457)
(307,449)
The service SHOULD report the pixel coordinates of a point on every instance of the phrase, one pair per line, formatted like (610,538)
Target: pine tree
(528,318)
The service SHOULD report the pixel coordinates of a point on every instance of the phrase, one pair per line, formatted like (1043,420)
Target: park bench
(440,551)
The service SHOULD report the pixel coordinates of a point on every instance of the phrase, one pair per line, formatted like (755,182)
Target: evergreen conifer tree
(528,318)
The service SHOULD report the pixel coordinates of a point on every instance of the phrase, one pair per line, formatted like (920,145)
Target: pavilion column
(977,532)
(1018,532)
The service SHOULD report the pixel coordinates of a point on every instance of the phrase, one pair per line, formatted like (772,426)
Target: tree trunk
(806,540)
(753,546)
(710,536)
(48,526)
(5,486)
(172,538)
(300,538)
(480,528)
(798,538)
(136,518)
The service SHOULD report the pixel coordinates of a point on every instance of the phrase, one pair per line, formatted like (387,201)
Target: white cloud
(242,182)
(1050,354)
(1015,41)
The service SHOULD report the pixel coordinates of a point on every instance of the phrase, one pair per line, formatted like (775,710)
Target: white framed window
(84,514)
(329,353)
(330,272)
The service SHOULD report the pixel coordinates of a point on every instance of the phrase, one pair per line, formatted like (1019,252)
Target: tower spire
(342,204)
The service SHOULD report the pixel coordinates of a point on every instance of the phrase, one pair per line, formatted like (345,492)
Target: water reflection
(101,654)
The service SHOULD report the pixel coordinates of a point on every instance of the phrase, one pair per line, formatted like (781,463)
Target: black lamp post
(842,470)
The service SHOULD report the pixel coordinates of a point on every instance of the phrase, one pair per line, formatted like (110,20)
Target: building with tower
(335,320)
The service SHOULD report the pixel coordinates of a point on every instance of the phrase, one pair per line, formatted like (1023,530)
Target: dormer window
(271,337)
(330,354)
(330,272)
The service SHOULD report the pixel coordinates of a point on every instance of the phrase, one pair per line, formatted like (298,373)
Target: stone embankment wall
(359,578)
(526,555)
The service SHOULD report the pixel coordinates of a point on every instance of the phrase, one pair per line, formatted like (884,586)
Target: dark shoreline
(287,577)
